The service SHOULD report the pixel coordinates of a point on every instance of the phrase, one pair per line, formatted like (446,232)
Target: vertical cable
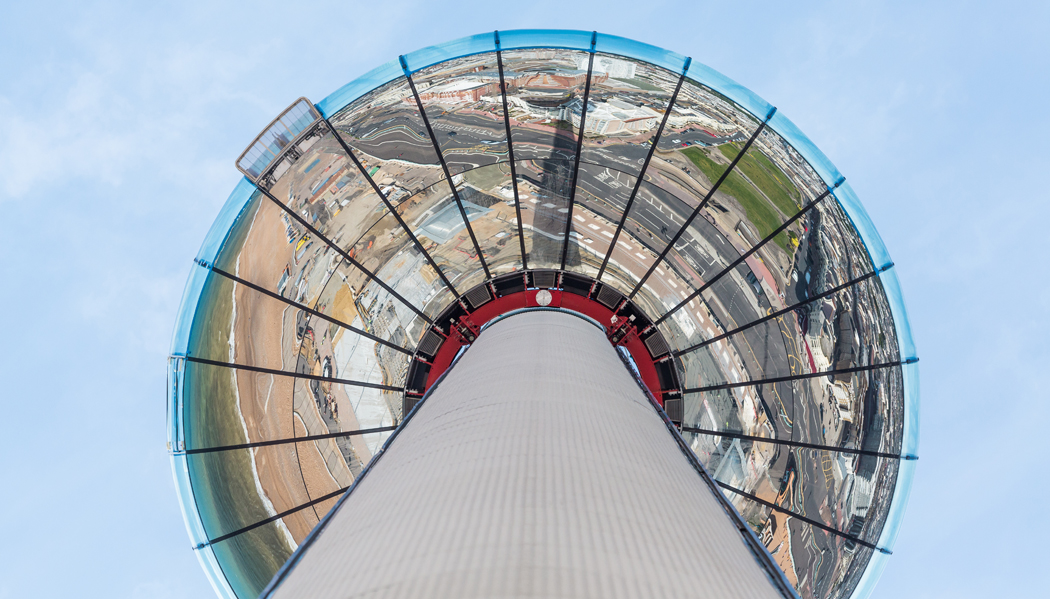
(641,174)
(346,256)
(579,149)
(510,153)
(702,204)
(390,207)
(444,167)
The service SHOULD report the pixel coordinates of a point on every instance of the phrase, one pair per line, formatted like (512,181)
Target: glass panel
(891,285)
(268,236)
(488,196)
(844,491)
(768,186)
(542,85)
(818,563)
(354,299)
(327,407)
(212,569)
(688,160)
(386,131)
(343,96)
(544,187)
(753,201)
(464,105)
(434,218)
(238,325)
(847,329)
(230,212)
(613,44)
(554,38)
(888,537)
(830,253)
(700,254)
(325,463)
(250,560)
(798,140)
(389,252)
(227,494)
(601,196)
(247,486)
(731,90)
(759,197)
(217,397)
(464,46)
(180,337)
(321,184)
(862,222)
(627,103)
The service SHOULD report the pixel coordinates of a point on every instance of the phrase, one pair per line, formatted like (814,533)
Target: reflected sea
(223,484)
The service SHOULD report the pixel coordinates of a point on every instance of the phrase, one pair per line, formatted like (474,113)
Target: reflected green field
(759,211)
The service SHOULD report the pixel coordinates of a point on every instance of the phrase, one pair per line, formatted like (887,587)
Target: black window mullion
(809,521)
(289,512)
(877,454)
(641,173)
(346,256)
(510,154)
(579,149)
(302,375)
(745,255)
(365,431)
(775,314)
(311,311)
(798,377)
(444,168)
(390,207)
(700,206)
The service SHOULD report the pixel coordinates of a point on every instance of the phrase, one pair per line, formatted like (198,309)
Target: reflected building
(542,313)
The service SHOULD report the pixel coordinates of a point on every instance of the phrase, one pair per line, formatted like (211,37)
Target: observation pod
(693,369)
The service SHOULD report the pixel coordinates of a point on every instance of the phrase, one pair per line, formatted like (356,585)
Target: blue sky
(119,125)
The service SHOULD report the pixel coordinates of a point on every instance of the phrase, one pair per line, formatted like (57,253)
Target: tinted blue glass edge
(578,40)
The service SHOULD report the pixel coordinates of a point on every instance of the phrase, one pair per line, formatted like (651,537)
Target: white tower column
(536,468)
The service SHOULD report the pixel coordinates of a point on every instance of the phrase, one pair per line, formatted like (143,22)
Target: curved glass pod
(670,183)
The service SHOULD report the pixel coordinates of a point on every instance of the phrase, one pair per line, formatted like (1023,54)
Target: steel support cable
(803,376)
(289,512)
(877,454)
(579,150)
(302,375)
(311,311)
(390,207)
(444,168)
(777,313)
(809,521)
(510,153)
(746,255)
(308,438)
(701,205)
(346,256)
(641,174)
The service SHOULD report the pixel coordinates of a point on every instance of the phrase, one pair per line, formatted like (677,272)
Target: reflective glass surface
(464,105)
(328,263)
(627,103)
